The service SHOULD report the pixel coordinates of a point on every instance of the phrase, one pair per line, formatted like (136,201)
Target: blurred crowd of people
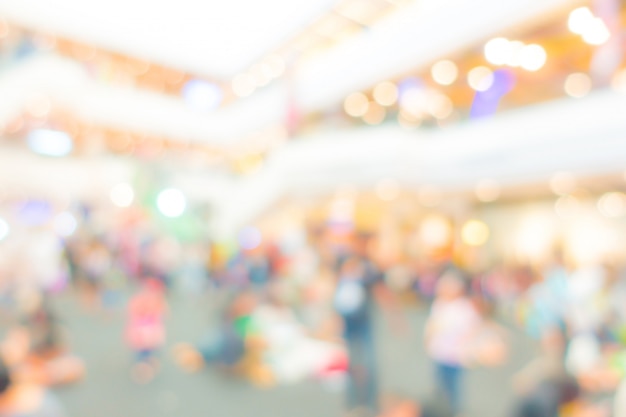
(304,307)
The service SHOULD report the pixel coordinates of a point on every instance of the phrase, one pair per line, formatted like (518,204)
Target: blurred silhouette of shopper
(545,388)
(449,333)
(353,302)
(359,285)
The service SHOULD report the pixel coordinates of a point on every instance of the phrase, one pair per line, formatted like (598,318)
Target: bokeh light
(386,93)
(578,85)
(533,57)
(414,102)
(440,106)
(475,233)
(375,114)
(435,231)
(480,78)
(497,51)
(243,85)
(612,204)
(597,33)
(514,58)
(171,202)
(579,20)
(593,30)
(122,195)
(445,72)
(356,104)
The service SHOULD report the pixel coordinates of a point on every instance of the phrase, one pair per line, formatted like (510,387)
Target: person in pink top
(145,330)
(449,332)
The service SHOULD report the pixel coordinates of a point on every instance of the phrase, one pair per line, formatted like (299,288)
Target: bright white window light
(171,202)
(50,142)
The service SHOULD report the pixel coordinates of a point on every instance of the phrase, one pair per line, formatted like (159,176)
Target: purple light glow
(486,102)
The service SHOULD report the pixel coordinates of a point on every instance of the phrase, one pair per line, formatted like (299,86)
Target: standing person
(544,387)
(449,330)
(359,287)
(353,301)
(145,331)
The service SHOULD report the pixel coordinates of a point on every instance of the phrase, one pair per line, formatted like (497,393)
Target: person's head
(450,286)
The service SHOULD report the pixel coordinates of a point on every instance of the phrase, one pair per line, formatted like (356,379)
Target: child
(145,331)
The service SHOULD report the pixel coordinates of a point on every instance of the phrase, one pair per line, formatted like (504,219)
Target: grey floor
(108,390)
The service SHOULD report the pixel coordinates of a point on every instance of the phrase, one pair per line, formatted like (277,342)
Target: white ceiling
(216,38)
